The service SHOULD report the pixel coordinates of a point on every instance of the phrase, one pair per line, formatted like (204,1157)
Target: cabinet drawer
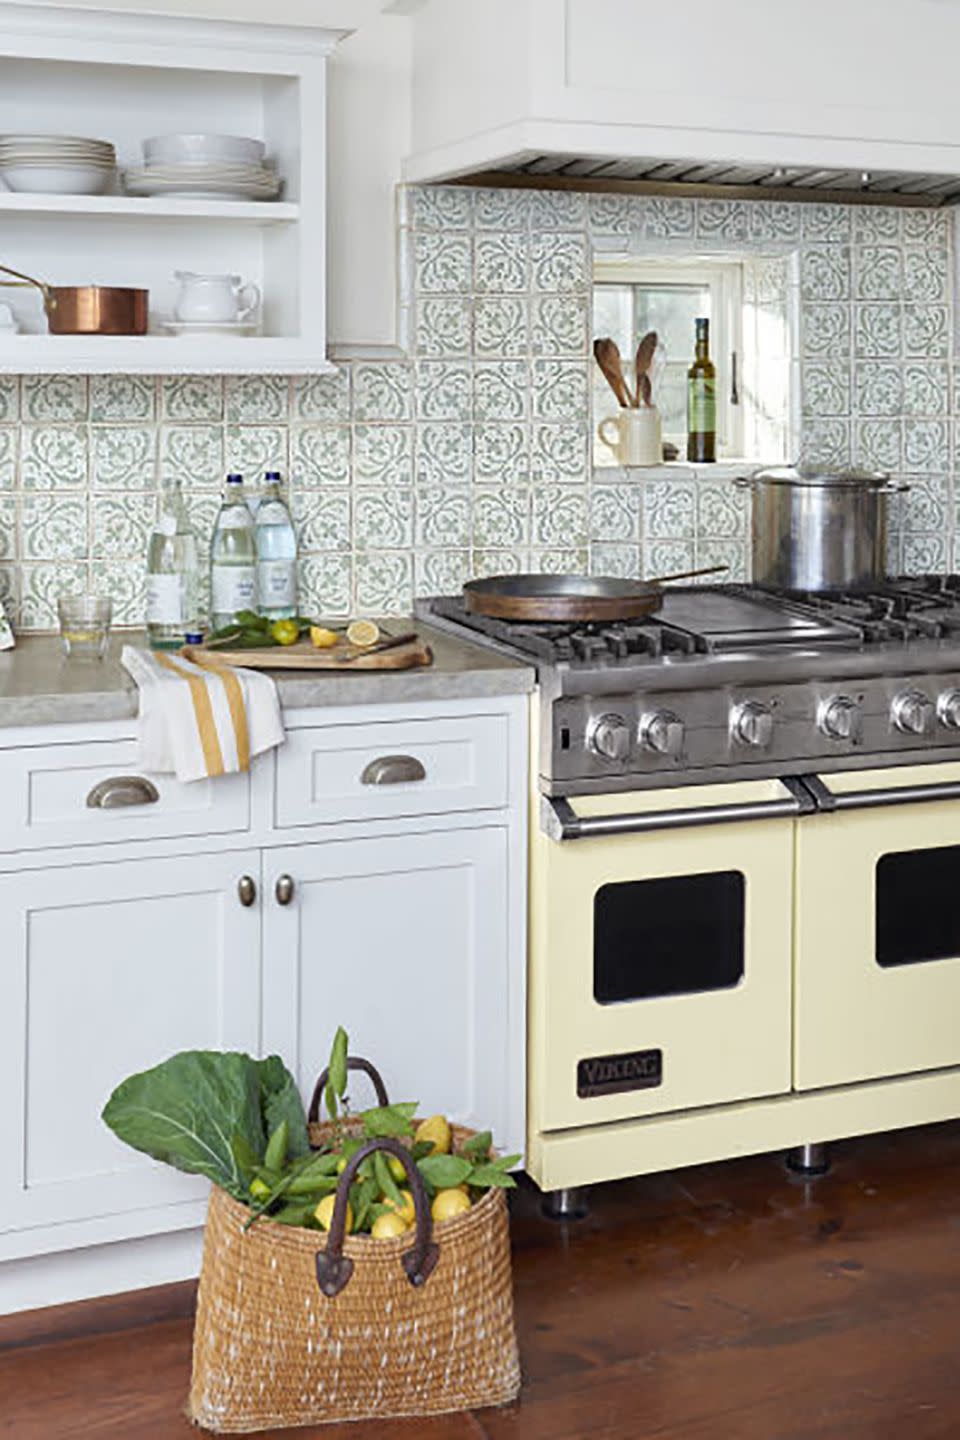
(45,799)
(392,770)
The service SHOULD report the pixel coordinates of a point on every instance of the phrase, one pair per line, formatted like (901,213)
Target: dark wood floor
(727,1302)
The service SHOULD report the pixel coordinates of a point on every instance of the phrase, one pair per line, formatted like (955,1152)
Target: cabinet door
(106,970)
(405,942)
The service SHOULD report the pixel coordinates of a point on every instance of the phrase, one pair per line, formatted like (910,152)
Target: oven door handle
(561,821)
(826,800)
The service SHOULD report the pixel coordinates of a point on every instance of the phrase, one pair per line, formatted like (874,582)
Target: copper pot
(89,309)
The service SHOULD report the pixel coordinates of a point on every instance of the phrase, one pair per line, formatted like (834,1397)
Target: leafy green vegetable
(208,1112)
(444,1171)
(486,1177)
(187,1111)
(276,1151)
(389,1120)
(280,1100)
(388,1186)
(478,1146)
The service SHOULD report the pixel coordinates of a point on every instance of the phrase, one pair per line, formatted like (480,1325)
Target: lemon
(324,1212)
(406,1211)
(449,1203)
(285,632)
(388,1227)
(436,1131)
(259,1189)
(363,633)
(323,638)
(397,1168)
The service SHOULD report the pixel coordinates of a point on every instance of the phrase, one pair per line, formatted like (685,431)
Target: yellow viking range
(744,861)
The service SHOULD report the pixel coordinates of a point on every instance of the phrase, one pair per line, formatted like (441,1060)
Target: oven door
(660,969)
(878,926)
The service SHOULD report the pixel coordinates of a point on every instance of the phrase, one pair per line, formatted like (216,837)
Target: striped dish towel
(201,722)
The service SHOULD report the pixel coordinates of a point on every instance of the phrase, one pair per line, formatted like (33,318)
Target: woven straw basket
(415,1329)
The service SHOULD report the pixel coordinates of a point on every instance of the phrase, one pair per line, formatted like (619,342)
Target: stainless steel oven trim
(561,822)
(825,801)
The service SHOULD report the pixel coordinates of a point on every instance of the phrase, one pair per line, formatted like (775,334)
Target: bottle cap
(234,479)
(193,637)
(272,477)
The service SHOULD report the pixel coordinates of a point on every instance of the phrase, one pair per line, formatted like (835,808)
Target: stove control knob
(913,713)
(752,724)
(610,737)
(662,731)
(840,718)
(948,709)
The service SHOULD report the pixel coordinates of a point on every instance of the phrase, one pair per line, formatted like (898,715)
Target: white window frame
(724,278)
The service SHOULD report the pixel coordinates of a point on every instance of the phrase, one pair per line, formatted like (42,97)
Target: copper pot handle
(334,1268)
(354,1062)
(26,279)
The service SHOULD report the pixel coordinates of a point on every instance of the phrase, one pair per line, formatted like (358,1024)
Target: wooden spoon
(607,356)
(645,353)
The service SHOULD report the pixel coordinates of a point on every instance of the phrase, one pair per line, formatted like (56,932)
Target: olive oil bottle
(702,400)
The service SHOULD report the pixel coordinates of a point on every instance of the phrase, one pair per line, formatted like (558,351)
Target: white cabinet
(404,942)
(106,969)
(610,78)
(124,78)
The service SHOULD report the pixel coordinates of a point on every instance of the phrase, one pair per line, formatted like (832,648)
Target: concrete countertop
(38,686)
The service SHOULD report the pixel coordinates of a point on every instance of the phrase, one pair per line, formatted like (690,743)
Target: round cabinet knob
(610,737)
(752,724)
(948,709)
(662,731)
(913,713)
(840,718)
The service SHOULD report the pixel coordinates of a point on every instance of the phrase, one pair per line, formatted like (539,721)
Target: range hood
(842,98)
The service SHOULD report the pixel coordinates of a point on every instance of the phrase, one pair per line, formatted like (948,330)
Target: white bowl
(57,179)
(174,149)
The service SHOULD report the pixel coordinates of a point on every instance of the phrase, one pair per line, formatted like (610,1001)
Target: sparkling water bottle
(173,573)
(233,557)
(276,552)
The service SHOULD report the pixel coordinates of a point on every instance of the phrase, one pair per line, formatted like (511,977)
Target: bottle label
(234,588)
(164,600)
(701,405)
(234,517)
(166,524)
(278,583)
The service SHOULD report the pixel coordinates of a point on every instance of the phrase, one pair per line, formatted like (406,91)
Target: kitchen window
(632,296)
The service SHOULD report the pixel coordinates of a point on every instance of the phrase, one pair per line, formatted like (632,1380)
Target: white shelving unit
(124,77)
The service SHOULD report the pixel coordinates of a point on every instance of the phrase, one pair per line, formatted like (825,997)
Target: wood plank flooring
(726,1302)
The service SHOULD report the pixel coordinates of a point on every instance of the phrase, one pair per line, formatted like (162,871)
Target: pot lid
(820,475)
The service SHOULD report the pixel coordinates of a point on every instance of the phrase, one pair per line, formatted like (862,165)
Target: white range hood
(843,96)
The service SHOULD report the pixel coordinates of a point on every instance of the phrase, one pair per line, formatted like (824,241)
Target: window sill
(723,469)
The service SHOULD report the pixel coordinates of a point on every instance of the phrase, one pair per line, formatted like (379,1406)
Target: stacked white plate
(204,167)
(56,164)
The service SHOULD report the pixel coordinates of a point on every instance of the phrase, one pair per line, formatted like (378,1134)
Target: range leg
(565,1204)
(809,1160)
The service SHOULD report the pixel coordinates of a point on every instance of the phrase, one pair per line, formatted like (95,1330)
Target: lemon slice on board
(363,633)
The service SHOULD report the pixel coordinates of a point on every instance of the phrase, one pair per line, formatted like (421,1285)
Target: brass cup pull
(284,889)
(122,790)
(246,890)
(393,770)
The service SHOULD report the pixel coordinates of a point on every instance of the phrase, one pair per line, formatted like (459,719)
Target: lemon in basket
(324,1212)
(363,633)
(436,1132)
(405,1210)
(449,1203)
(388,1227)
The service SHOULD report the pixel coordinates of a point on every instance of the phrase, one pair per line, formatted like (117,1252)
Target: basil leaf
(444,1171)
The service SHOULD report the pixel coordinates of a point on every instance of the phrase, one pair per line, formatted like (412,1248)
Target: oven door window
(917,914)
(674,935)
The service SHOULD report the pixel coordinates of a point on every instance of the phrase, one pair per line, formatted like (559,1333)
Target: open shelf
(161,355)
(129,207)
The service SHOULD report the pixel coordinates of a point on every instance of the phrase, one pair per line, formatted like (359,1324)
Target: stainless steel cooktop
(732,681)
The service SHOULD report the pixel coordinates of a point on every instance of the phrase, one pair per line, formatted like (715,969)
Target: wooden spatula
(607,356)
(645,353)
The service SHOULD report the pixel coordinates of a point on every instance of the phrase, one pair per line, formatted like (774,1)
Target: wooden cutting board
(306,656)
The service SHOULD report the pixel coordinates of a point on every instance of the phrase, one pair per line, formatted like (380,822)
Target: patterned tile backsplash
(473,454)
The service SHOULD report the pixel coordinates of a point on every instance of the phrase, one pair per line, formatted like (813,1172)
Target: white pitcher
(214,299)
(634,436)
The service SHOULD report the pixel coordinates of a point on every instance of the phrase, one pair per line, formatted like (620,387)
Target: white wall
(369,127)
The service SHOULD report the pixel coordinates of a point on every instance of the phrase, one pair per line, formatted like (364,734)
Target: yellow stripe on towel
(203,710)
(238,714)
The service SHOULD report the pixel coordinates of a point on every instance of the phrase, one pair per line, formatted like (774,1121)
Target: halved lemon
(363,633)
(323,638)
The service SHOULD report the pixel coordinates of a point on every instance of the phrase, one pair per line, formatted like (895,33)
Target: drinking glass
(84,625)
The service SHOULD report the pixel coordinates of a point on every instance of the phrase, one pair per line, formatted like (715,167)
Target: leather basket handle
(334,1268)
(354,1062)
